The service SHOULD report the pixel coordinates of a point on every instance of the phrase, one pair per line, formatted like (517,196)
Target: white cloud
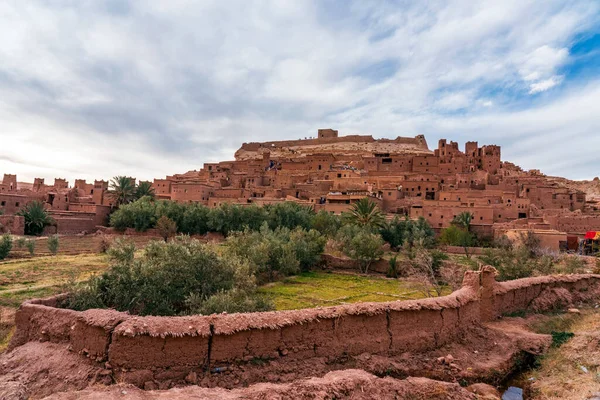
(160,87)
(542,86)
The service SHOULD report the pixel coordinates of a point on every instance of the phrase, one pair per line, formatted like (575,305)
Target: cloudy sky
(148,88)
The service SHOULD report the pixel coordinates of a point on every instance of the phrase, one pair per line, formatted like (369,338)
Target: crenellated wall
(160,347)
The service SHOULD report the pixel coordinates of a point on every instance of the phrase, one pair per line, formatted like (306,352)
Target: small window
(3,203)
(17,204)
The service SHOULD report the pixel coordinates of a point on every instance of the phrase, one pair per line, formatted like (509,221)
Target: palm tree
(365,212)
(463,220)
(144,189)
(122,190)
(36,218)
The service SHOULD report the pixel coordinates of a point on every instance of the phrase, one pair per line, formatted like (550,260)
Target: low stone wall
(13,224)
(141,349)
(332,262)
(461,250)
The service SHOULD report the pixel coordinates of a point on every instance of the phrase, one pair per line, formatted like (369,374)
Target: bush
(172,278)
(392,271)
(573,265)
(232,301)
(53,243)
(122,251)
(30,245)
(5,245)
(279,252)
(105,243)
(425,271)
(166,227)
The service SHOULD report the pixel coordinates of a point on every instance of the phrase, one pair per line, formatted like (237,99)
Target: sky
(93,89)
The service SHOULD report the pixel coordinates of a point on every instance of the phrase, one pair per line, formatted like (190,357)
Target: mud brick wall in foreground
(168,347)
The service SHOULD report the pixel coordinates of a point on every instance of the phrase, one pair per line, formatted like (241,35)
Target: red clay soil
(347,384)
(38,369)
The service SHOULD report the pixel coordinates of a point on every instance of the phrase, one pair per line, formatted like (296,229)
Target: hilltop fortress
(330,172)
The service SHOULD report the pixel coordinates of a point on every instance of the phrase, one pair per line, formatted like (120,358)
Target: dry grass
(560,375)
(33,274)
(23,279)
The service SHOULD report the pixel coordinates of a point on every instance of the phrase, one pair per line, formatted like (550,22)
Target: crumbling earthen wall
(167,347)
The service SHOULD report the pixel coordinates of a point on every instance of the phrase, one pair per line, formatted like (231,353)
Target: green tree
(399,232)
(289,214)
(365,212)
(396,231)
(455,236)
(326,223)
(144,189)
(195,219)
(140,214)
(36,218)
(122,190)
(361,245)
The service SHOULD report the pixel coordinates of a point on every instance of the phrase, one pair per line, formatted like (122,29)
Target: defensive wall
(141,349)
(255,146)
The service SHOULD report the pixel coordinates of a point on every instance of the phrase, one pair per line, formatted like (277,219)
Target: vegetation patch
(24,279)
(322,289)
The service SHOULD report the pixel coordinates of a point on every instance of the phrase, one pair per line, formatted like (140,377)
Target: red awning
(592,235)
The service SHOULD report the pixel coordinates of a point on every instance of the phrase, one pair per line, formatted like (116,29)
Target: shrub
(573,265)
(20,242)
(392,271)
(105,243)
(5,245)
(531,242)
(232,301)
(171,278)
(166,227)
(452,275)
(122,251)
(30,245)
(279,252)
(424,272)
(53,243)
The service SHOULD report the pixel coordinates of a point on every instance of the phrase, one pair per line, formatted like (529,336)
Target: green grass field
(314,289)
